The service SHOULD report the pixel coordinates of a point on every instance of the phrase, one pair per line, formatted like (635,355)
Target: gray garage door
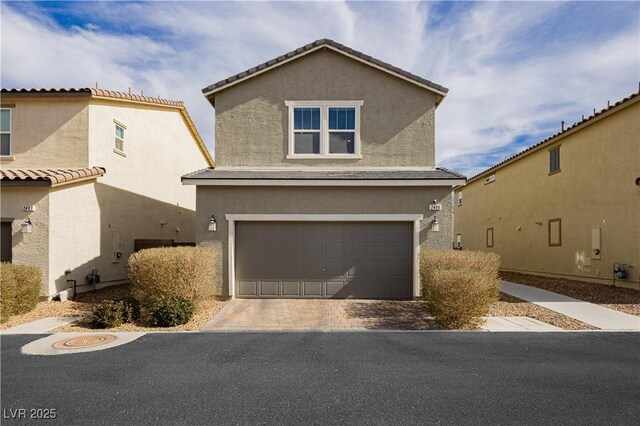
(324,259)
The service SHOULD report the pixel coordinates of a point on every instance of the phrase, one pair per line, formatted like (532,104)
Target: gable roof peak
(439,90)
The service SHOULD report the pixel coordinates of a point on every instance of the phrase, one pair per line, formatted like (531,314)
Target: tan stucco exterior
(59,139)
(397,118)
(596,189)
(221,201)
(76,226)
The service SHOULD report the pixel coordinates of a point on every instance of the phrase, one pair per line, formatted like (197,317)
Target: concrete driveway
(320,315)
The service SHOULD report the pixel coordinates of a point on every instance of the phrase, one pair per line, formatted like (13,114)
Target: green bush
(130,310)
(114,313)
(19,289)
(459,286)
(459,298)
(109,314)
(158,274)
(173,311)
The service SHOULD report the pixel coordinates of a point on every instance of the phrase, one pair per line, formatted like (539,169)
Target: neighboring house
(325,182)
(85,172)
(568,206)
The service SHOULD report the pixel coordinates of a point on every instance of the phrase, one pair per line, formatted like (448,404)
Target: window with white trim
(5,131)
(119,136)
(324,129)
(460,198)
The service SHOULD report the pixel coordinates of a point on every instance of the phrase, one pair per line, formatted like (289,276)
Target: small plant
(109,314)
(131,309)
(173,311)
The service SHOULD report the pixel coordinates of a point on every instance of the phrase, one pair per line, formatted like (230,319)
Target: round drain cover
(84,341)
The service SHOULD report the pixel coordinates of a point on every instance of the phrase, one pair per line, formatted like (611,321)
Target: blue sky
(514,70)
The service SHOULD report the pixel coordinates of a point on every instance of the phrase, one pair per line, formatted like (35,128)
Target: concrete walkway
(41,326)
(589,313)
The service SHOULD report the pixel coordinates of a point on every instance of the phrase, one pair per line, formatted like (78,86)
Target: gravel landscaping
(509,306)
(621,299)
(83,306)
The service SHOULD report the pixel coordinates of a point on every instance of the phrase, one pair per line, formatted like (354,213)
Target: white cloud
(507,74)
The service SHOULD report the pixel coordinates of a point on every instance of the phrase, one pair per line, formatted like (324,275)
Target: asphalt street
(332,378)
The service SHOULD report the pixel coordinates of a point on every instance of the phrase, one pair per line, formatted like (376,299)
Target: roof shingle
(438,174)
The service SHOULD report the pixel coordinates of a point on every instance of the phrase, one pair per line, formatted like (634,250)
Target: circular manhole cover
(84,341)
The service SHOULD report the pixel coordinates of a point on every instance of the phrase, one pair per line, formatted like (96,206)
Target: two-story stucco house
(87,172)
(325,182)
(567,207)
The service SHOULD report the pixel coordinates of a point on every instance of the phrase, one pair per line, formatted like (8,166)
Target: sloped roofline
(325,43)
(111,95)
(554,138)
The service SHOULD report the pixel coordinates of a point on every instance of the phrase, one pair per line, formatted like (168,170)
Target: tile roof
(90,92)
(313,46)
(121,96)
(211,173)
(550,139)
(48,177)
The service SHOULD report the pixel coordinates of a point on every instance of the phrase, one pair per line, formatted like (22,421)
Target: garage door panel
(269,288)
(332,288)
(247,288)
(335,250)
(335,231)
(358,249)
(312,288)
(335,269)
(380,270)
(313,249)
(312,232)
(358,231)
(291,288)
(380,249)
(317,260)
(360,269)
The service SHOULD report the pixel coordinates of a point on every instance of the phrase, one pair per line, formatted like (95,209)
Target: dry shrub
(459,298)
(192,273)
(19,289)
(459,286)
(480,261)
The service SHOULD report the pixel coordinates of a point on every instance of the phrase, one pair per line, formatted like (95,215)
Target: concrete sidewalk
(589,313)
(41,326)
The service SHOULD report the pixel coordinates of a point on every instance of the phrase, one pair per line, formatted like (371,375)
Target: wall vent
(489,179)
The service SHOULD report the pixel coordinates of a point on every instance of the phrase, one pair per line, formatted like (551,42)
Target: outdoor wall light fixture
(27,226)
(435,226)
(212,224)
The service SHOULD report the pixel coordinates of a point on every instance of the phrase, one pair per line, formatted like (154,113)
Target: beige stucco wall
(140,196)
(58,140)
(595,189)
(220,201)
(397,118)
(159,150)
(33,248)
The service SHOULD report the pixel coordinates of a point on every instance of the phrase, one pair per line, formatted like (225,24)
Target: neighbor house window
(119,136)
(5,132)
(555,232)
(458,242)
(489,237)
(460,198)
(324,129)
(554,160)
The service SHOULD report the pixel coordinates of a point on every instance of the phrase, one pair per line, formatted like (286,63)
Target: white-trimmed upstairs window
(324,129)
(120,130)
(5,131)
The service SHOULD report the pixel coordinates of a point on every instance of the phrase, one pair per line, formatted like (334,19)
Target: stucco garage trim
(415,218)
